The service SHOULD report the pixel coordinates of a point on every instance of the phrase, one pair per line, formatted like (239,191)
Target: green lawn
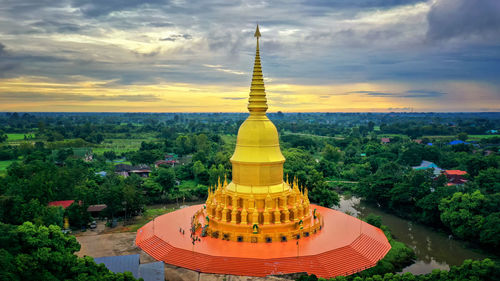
(16,137)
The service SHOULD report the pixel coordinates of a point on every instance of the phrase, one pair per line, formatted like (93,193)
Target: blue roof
(121,263)
(425,165)
(456,142)
(154,271)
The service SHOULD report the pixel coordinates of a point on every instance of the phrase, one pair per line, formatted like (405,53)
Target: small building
(455,177)
(456,142)
(63,203)
(154,271)
(385,140)
(126,170)
(123,169)
(141,170)
(166,163)
(102,173)
(428,165)
(95,210)
(419,141)
(488,152)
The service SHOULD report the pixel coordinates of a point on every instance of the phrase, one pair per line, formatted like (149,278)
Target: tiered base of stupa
(345,245)
(261,214)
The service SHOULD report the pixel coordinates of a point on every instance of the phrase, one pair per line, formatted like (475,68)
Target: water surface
(434,250)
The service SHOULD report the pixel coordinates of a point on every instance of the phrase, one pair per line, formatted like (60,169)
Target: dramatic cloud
(2,49)
(464,19)
(176,37)
(378,54)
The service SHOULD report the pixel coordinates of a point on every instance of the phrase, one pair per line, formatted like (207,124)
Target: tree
(377,186)
(165,177)
(319,191)
(183,145)
(462,136)
(63,154)
(374,220)
(489,180)
(484,270)
(110,154)
(491,231)
(462,213)
(331,153)
(30,252)
(77,215)
(3,136)
(198,169)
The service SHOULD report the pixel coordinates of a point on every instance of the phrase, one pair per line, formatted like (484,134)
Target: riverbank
(434,250)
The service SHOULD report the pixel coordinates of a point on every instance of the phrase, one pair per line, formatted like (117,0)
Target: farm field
(470,137)
(17,137)
(120,145)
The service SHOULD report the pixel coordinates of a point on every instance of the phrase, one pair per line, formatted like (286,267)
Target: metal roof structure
(154,271)
(121,263)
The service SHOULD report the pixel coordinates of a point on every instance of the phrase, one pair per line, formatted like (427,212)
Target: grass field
(478,137)
(470,137)
(17,137)
(120,145)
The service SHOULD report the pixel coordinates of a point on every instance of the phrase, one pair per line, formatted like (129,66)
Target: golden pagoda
(259,205)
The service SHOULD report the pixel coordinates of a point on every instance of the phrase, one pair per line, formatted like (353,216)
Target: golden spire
(257,103)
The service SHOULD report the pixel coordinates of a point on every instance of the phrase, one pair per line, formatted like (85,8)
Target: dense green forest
(47,157)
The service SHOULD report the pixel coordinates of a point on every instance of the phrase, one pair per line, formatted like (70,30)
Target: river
(434,250)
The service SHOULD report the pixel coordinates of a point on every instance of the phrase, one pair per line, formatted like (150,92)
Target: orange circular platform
(344,246)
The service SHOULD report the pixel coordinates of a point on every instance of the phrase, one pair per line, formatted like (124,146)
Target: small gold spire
(257,33)
(257,103)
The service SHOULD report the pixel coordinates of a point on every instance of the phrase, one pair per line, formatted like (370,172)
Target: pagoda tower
(259,205)
(260,224)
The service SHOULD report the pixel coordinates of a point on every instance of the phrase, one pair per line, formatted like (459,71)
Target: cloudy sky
(317,55)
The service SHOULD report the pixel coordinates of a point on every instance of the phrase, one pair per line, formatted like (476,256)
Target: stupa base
(344,246)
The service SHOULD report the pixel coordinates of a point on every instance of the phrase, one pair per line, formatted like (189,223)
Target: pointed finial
(257,103)
(257,32)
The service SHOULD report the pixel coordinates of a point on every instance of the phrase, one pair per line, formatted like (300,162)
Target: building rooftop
(63,203)
(455,172)
(154,271)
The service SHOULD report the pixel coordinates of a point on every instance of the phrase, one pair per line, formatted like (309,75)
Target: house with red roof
(455,177)
(64,203)
(385,140)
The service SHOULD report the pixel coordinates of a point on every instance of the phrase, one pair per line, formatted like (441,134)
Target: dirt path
(114,244)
